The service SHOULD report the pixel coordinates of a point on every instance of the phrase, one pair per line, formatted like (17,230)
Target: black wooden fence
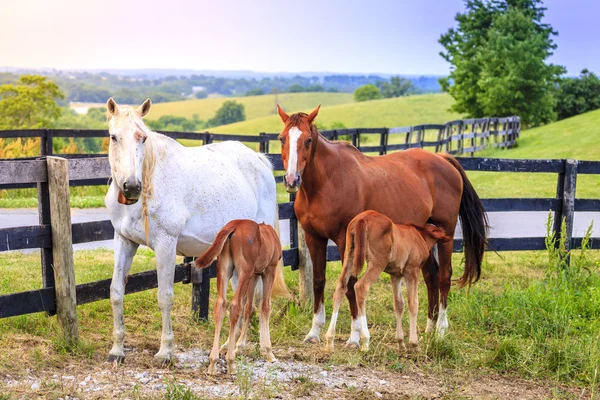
(94,169)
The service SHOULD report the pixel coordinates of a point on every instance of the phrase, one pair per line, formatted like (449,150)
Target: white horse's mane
(128,116)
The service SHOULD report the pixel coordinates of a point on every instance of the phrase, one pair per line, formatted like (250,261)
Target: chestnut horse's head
(298,140)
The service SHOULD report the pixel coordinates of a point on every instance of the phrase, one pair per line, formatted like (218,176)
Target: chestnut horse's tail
(474,223)
(360,246)
(216,247)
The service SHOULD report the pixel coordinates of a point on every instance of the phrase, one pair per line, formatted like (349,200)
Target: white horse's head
(127,148)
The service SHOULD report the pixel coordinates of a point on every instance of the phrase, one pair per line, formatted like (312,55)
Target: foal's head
(128,133)
(298,139)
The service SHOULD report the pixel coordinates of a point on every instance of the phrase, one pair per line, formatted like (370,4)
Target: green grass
(254,106)
(520,319)
(401,111)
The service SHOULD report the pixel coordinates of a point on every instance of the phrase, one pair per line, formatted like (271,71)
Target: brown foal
(253,250)
(335,182)
(399,250)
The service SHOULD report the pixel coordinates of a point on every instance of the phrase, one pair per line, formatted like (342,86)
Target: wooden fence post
(62,247)
(305,273)
(200,279)
(565,191)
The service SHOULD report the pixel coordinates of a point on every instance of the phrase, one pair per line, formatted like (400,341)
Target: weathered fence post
(305,273)
(565,191)
(62,247)
(200,279)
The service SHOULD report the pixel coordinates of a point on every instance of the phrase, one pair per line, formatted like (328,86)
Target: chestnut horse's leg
(248,309)
(430,275)
(224,271)
(353,340)
(398,308)
(317,247)
(340,291)
(265,313)
(445,276)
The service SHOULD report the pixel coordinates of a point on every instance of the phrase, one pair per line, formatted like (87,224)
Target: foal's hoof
(309,339)
(413,347)
(162,362)
(212,369)
(352,345)
(116,359)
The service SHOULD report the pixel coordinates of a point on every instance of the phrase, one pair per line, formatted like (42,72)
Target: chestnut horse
(335,182)
(253,250)
(399,250)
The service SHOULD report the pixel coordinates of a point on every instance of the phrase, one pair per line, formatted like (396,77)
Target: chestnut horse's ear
(313,115)
(144,108)
(282,114)
(112,107)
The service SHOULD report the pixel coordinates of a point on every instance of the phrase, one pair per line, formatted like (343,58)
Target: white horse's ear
(144,108)
(284,117)
(112,107)
(313,115)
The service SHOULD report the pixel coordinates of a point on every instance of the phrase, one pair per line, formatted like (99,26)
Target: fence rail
(96,170)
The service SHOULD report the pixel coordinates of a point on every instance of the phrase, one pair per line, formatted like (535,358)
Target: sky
(344,36)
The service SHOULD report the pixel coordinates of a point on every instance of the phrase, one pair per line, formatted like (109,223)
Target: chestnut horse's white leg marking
(124,251)
(442,323)
(294,135)
(317,324)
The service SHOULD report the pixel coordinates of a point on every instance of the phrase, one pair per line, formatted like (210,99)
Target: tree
(499,63)
(31,103)
(578,95)
(255,92)
(201,94)
(396,87)
(296,88)
(231,111)
(367,92)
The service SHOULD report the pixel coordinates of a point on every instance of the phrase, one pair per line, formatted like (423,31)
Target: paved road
(504,224)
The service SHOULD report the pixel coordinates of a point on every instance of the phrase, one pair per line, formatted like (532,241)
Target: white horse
(187,195)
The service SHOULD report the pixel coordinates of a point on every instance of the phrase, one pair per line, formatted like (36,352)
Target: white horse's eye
(113,138)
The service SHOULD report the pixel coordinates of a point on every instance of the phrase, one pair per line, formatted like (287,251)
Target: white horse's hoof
(310,339)
(162,361)
(116,359)
(352,345)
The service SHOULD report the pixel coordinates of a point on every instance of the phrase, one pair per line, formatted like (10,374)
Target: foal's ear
(313,115)
(284,117)
(144,108)
(112,107)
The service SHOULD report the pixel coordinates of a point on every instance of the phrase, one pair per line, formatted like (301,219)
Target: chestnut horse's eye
(308,142)
(282,139)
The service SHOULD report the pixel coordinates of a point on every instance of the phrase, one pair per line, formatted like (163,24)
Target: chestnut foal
(253,250)
(400,250)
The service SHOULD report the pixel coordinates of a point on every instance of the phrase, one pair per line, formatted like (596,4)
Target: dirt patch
(285,379)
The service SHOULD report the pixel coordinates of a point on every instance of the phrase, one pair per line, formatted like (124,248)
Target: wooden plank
(518,204)
(22,133)
(26,237)
(62,248)
(29,171)
(511,165)
(290,257)
(93,231)
(27,302)
(286,210)
(588,167)
(89,168)
(587,204)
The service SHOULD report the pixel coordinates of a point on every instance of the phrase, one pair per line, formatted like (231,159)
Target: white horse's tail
(280,289)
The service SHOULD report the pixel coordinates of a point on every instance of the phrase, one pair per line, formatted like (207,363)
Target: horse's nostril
(125,186)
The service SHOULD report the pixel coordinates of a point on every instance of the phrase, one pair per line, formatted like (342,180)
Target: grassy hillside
(255,106)
(575,137)
(401,111)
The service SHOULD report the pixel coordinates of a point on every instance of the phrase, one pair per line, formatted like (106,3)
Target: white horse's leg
(165,270)
(124,252)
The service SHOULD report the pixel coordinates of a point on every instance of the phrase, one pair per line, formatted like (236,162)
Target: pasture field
(523,330)
(254,106)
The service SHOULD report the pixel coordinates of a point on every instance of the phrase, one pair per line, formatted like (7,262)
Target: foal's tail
(474,222)
(360,246)
(217,246)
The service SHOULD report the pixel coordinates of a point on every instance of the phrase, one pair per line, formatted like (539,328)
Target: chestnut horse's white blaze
(187,195)
(290,175)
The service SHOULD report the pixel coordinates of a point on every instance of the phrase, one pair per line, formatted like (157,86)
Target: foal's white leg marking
(430,324)
(442,323)
(364,333)
(354,339)
(165,270)
(124,252)
(317,324)
(294,135)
